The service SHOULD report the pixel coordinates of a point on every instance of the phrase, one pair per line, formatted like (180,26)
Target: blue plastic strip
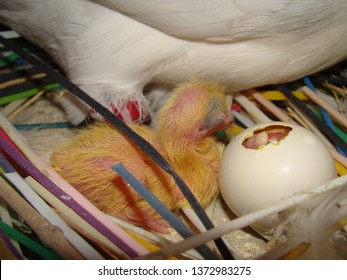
(326,116)
(184,231)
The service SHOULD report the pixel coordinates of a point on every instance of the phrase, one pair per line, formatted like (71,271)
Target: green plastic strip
(27,93)
(26,241)
(8,59)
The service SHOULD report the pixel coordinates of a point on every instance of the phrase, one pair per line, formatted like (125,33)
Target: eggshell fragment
(254,177)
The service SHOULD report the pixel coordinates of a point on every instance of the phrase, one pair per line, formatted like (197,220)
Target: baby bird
(184,125)
(182,136)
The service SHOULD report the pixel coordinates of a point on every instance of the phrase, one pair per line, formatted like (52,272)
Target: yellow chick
(184,124)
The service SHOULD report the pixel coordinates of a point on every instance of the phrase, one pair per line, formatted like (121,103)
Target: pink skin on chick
(182,136)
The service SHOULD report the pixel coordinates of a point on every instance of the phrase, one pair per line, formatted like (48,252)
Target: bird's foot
(145,219)
(130,109)
(158,225)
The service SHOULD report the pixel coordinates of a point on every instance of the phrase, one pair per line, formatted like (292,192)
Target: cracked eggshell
(252,179)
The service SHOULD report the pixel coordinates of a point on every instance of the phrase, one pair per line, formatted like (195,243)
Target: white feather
(320,224)
(114,48)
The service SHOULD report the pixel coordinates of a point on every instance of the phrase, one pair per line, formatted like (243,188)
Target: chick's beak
(218,122)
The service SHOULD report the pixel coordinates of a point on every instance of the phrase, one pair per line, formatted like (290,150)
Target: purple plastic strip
(60,194)
(10,246)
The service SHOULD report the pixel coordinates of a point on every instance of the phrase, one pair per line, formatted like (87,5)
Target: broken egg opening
(271,134)
(270,162)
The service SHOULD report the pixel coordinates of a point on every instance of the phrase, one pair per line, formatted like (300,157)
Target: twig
(246,220)
(90,213)
(336,155)
(11,107)
(270,106)
(26,104)
(46,211)
(73,219)
(8,250)
(51,236)
(326,130)
(296,117)
(246,121)
(151,237)
(142,144)
(6,218)
(21,80)
(252,110)
(338,102)
(342,91)
(330,109)
(181,228)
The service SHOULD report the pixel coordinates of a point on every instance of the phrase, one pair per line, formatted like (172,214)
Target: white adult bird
(114,48)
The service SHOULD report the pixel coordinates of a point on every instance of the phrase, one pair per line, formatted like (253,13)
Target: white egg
(257,170)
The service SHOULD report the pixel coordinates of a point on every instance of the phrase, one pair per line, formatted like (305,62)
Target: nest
(37,117)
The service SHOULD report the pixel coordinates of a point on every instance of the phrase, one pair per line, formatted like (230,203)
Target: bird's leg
(130,108)
(129,111)
(144,218)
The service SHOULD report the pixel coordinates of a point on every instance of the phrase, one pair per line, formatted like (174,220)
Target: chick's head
(195,111)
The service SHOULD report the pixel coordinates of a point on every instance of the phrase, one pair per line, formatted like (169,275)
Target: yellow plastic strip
(341,170)
(276,95)
(148,245)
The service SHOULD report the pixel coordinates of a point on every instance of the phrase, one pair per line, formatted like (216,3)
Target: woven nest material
(246,242)
(44,141)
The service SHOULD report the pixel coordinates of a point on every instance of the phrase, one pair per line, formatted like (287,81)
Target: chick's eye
(207,119)
(214,106)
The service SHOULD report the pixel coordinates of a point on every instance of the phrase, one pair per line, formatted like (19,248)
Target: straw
(27,93)
(247,219)
(342,91)
(161,208)
(14,105)
(284,117)
(325,114)
(251,109)
(151,237)
(68,200)
(83,207)
(27,103)
(40,205)
(277,112)
(144,145)
(38,83)
(17,81)
(26,241)
(73,218)
(330,109)
(10,251)
(296,117)
(50,235)
(310,125)
(327,131)
(6,218)
(243,119)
